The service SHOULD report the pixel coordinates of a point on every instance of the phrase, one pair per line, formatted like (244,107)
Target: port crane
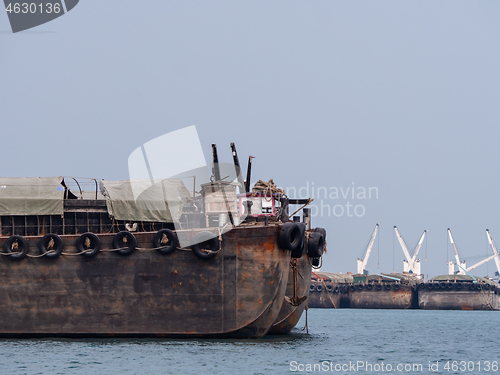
(462,265)
(364,259)
(495,252)
(411,264)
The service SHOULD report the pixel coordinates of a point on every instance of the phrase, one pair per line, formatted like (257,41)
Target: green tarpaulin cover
(31,196)
(140,200)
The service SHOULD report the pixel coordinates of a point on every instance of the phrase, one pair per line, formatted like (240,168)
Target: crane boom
(454,247)
(494,249)
(482,262)
(417,249)
(405,249)
(362,262)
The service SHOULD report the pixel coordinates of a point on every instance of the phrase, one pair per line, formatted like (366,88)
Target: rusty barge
(459,292)
(392,291)
(80,265)
(329,290)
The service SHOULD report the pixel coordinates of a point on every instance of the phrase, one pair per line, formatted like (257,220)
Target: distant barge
(329,290)
(459,292)
(392,291)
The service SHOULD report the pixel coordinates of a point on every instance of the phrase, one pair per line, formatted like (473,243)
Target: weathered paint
(238,293)
(436,299)
(382,299)
(289,314)
(324,298)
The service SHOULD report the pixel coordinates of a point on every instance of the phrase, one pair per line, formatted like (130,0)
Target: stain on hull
(381,299)
(290,315)
(325,294)
(458,300)
(238,293)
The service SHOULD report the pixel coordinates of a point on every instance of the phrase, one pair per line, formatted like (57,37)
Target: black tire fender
(316,245)
(300,250)
(161,236)
(289,237)
(58,244)
(379,287)
(127,237)
(312,288)
(396,287)
(322,231)
(205,240)
(459,286)
(319,288)
(329,288)
(88,251)
(21,242)
(387,286)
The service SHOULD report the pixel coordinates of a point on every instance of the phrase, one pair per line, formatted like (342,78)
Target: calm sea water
(410,339)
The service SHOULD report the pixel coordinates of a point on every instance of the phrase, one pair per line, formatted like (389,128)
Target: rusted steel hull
(381,299)
(290,315)
(238,293)
(324,294)
(458,299)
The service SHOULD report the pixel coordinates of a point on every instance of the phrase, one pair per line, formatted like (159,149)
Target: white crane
(463,267)
(411,264)
(362,262)
(451,264)
(495,252)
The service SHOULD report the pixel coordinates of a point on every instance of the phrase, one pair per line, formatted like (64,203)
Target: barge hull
(238,293)
(382,299)
(321,297)
(458,300)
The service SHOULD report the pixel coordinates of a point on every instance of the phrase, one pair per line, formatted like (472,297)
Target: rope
(306,327)
(328,293)
(104,251)
(447,258)
(378,252)
(308,202)
(393,249)
(15,246)
(426,247)
(268,188)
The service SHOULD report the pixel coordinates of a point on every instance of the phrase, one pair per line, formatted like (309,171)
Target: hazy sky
(401,96)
